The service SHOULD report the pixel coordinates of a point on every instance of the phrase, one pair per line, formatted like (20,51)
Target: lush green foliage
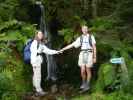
(112,27)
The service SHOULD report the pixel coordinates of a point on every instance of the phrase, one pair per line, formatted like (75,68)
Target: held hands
(60,51)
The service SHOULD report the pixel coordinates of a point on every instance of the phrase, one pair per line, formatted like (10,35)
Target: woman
(38,47)
(87,55)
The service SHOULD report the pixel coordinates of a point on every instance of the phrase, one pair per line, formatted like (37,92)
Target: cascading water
(51,64)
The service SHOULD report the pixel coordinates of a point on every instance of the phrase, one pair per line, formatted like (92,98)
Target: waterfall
(51,64)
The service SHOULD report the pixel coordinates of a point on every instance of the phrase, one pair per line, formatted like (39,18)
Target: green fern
(8,24)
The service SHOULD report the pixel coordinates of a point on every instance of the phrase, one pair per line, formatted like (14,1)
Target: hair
(89,31)
(36,36)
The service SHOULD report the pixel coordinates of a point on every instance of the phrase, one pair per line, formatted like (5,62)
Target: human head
(84,29)
(39,36)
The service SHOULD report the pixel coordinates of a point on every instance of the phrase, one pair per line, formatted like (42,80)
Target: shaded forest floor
(69,92)
(62,92)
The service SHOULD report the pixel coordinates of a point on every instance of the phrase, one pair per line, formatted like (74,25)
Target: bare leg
(83,73)
(89,75)
(88,78)
(83,76)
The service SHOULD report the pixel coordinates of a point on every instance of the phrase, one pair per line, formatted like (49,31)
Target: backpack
(27,52)
(90,40)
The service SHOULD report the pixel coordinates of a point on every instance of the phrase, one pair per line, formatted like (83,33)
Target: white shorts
(85,58)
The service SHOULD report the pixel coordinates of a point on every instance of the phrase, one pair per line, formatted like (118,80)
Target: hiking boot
(83,85)
(86,87)
(41,93)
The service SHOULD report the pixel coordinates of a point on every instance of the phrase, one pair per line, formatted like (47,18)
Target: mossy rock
(106,76)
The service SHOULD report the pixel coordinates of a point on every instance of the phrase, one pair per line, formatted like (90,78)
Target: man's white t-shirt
(85,42)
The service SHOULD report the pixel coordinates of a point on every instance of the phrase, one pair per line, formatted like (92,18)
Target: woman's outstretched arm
(46,50)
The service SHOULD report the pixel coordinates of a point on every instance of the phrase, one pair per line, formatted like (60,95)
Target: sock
(88,82)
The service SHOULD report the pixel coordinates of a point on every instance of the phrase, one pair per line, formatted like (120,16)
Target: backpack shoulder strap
(38,44)
(81,40)
(90,40)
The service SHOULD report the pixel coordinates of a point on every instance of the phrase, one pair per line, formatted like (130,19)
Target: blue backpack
(27,52)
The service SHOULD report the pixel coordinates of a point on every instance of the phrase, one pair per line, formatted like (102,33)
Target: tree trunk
(85,4)
(94,8)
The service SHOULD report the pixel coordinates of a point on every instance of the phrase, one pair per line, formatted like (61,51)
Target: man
(87,56)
